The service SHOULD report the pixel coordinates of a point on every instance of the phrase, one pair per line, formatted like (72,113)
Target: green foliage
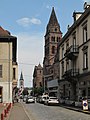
(25,92)
(38,91)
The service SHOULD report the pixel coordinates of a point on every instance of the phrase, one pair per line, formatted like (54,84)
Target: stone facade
(38,76)
(51,64)
(74,57)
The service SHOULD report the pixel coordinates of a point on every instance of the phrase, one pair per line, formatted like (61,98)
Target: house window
(0,71)
(14,71)
(85,34)
(74,39)
(67,64)
(85,60)
(67,45)
(63,52)
(62,68)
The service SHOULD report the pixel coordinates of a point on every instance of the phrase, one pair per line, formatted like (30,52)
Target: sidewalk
(18,113)
(76,109)
(2,107)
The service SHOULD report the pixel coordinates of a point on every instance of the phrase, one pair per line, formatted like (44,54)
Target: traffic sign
(85,104)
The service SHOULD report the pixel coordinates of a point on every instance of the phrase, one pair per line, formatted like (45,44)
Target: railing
(72,50)
(71,73)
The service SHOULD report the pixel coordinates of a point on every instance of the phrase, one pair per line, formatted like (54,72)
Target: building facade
(8,65)
(52,38)
(38,76)
(74,58)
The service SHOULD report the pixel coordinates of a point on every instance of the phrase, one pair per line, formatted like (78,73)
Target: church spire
(21,82)
(21,76)
(53,19)
(53,25)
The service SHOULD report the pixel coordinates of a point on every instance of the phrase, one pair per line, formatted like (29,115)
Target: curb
(75,109)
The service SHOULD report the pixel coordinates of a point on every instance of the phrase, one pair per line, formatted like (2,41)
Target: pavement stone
(18,113)
(2,107)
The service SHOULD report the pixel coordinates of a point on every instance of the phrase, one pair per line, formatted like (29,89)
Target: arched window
(53,49)
(53,39)
(57,39)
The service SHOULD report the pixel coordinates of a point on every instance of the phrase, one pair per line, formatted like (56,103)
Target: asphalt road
(42,112)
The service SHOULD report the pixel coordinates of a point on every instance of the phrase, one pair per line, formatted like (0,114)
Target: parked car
(51,101)
(43,98)
(30,99)
(24,98)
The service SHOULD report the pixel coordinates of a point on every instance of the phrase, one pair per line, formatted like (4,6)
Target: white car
(43,98)
(52,101)
(24,98)
(30,99)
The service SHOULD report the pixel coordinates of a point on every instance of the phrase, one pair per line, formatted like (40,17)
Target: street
(39,111)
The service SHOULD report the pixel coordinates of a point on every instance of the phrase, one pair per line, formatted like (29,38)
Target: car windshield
(30,97)
(52,98)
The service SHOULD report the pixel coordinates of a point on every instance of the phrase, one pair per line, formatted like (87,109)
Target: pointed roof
(53,19)
(3,33)
(39,65)
(21,76)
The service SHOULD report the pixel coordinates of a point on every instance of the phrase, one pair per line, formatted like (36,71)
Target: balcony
(72,52)
(71,73)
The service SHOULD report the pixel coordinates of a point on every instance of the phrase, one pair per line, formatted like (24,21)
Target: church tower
(52,38)
(21,82)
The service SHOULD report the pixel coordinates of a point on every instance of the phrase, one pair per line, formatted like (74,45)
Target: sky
(27,20)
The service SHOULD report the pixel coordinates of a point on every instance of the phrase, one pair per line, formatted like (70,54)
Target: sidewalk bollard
(5,113)
(2,116)
(7,109)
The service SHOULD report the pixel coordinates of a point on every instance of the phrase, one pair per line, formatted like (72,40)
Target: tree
(25,92)
(38,91)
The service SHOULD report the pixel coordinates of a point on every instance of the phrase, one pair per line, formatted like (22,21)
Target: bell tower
(52,38)
(21,84)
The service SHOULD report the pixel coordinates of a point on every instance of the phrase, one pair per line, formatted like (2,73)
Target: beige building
(8,65)
(74,58)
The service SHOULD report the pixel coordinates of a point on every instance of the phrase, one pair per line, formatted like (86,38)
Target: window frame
(85,33)
(1,71)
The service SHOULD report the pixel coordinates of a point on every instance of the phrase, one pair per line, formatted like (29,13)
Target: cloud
(25,22)
(35,21)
